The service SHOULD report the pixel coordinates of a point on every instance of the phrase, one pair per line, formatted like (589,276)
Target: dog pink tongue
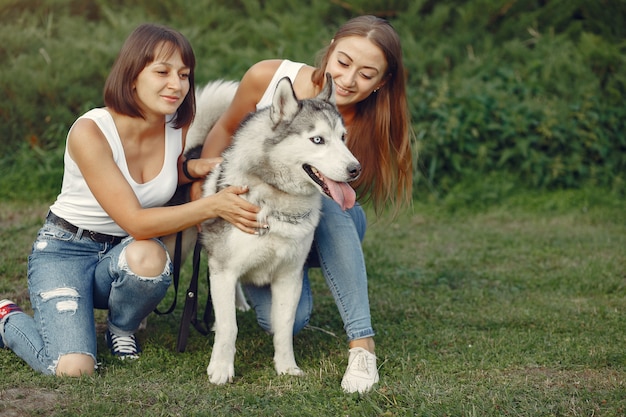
(342,193)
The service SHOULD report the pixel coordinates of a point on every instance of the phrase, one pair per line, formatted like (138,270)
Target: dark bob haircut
(141,48)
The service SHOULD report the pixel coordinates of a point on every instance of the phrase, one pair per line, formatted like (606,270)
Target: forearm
(217,140)
(160,221)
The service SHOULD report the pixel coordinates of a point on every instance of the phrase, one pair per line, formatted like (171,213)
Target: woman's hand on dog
(242,214)
(197,169)
(202,167)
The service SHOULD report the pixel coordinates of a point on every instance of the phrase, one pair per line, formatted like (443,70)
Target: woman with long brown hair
(364,59)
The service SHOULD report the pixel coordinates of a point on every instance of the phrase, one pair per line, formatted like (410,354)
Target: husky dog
(289,154)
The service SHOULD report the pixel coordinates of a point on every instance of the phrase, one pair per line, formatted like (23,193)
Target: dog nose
(354,171)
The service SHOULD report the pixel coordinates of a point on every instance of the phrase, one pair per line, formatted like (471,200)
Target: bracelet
(186,172)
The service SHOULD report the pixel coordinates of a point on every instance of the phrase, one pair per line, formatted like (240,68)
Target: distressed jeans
(68,276)
(337,251)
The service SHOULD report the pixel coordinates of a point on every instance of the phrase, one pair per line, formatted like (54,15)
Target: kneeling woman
(99,247)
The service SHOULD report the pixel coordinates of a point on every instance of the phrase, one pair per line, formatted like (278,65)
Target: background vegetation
(502,292)
(526,91)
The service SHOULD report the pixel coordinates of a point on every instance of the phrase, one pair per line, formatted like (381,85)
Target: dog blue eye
(318,140)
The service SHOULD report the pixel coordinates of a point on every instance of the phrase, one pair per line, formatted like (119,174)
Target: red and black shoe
(8,307)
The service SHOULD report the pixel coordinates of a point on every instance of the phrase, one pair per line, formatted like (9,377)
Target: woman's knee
(146,258)
(75,364)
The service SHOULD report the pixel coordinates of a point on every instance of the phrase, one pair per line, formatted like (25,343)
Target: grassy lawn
(513,308)
(486,302)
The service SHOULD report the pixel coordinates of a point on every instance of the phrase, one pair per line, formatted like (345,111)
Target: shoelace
(125,345)
(361,363)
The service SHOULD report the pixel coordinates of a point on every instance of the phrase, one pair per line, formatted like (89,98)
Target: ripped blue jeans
(68,276)
(337,250)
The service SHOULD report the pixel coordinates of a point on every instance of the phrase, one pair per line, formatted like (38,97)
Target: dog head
(308,145)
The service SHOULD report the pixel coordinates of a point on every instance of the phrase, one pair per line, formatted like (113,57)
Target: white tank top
(285,69)
(76,203)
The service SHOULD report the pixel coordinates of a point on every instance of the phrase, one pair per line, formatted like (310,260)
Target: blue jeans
(337,250)
(68,276)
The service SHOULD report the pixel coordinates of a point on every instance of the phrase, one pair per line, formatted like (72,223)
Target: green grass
(487,300)
(517,307)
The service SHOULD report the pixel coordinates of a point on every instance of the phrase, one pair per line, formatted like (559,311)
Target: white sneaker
(362,372)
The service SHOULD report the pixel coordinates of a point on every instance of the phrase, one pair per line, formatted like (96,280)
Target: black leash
(190,311)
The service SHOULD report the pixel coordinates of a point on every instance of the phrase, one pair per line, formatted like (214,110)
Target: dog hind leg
(240,299)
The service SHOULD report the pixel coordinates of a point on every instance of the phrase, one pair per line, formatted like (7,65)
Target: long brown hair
(140,49)
(379,134)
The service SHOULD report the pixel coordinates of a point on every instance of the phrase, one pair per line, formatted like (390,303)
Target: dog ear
(285,105)
(328,92)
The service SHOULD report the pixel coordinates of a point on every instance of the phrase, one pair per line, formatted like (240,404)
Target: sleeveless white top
(76,203)
(285,69)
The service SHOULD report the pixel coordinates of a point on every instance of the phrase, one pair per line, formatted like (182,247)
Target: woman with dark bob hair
(99,246)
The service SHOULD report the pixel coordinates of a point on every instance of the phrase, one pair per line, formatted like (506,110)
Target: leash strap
(176,277)
(190,311)
(204,327)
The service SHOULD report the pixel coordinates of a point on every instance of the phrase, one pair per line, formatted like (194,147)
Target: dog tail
(211,101)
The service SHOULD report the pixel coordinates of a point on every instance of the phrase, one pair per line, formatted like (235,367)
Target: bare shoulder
(253,84)
(83,131)
(259,75)
(264,68)
(303,84)
(86,137)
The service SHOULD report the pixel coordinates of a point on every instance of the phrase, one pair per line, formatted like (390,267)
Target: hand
(237,211)
(201,167)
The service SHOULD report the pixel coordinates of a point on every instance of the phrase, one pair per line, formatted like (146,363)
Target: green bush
(531,90)
(546,108)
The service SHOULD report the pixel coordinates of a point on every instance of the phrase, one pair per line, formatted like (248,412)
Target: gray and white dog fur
(289,154)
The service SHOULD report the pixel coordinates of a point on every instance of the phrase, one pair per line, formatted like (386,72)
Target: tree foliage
(528,89)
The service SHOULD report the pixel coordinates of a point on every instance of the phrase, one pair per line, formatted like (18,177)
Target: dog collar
(291,218)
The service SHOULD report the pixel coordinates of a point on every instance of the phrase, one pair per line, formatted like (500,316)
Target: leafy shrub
(546,109)
(524,89)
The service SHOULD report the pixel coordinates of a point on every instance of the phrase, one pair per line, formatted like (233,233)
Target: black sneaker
(124,347)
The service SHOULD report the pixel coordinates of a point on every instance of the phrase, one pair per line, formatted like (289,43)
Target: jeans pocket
(50,231)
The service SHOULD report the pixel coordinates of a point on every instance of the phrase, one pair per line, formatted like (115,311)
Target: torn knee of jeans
(122,264)
(52,368)
(66,299)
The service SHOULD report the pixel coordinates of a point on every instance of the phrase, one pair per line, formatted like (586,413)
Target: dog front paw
(294,371)
(220,373)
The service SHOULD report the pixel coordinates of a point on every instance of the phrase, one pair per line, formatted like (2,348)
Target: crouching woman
(99,246)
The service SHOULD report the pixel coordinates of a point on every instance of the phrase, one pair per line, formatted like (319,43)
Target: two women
(97,247)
